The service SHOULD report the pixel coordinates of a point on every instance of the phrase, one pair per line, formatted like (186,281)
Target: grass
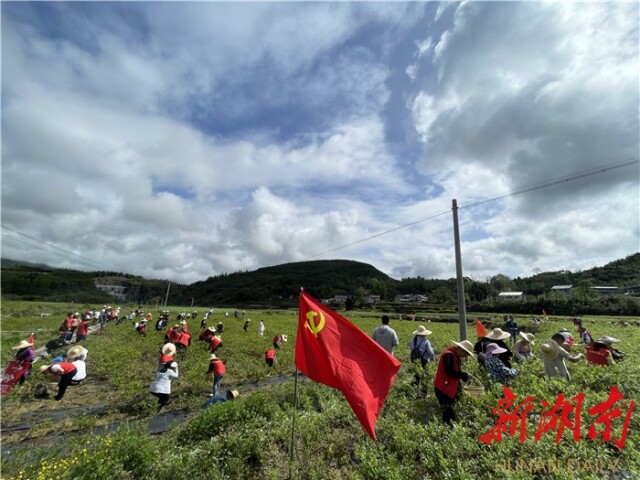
(251,437)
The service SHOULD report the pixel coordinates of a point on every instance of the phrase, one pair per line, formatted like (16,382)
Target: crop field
(101,429)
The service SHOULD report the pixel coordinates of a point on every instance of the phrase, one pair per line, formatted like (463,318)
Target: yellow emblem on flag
(311,325)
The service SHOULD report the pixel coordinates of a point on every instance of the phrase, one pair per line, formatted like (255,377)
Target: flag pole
(293,416)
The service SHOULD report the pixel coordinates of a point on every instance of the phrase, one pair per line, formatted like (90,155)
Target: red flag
(544,314)
(32,339)
(481,331)
(333,351)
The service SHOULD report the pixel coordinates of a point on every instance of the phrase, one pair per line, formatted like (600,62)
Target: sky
(185,140)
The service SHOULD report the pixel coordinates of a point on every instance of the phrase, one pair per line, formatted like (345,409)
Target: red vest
(217,367)
(83,328)
(66,368)
(215,342)
(184,339)
(165,358)
(270,354)
(443,382)
(598,357)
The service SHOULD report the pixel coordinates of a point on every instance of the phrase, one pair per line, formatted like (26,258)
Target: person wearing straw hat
(206,334)
(278,340)
(261,328)
(25,356)
(420,346)
(223,397)
(568,339)
(585,335)
(497,335)
(448,377)
(167,354)
(496,369)
(215,343)
(65,371)
(522,349)
(553,354)
(245,327)
(219,327)
(77,356)
(161,386)
(602,352)
(217,370)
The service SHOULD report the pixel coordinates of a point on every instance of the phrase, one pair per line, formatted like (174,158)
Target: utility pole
(462,311)
(166,297)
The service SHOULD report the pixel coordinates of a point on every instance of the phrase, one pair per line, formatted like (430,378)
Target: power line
(87,262)
(511,193)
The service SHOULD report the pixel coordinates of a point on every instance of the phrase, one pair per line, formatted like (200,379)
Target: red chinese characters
(563,414)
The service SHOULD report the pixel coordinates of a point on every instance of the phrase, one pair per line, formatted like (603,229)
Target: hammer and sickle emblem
(311,325)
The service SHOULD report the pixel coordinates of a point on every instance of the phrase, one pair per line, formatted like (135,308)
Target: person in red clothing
(167,353)
(448,377)
(278,340)
(207,333)
(216,343)
(83,330)
(217,369)
(270,357)
(64,370)
(65,328)
(141,327)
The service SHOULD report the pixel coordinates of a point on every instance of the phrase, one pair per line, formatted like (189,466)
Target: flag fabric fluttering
(333,351)
(481,331)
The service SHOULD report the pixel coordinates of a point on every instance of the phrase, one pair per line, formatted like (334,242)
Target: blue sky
(184,140)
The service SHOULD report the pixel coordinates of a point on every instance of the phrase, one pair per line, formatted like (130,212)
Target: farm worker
(385,336)
(149,317)
(161,386)
(585,336)
(553,353)
(216,343)
(207,334)
(568,339)
(167,353)
(223,397)
(497,335)
(420,346)
(172,334)
(25,357)
(142,327)
(77,356)
(497,370)
(219,327)
(278,340)
(577,322)
(261,328)
(203,322)
(217,369)
(270,357)
(65,371)
(185,337)
(83,330)
(601,352)
(522,349)
(184,326)
(448,377)
(245,327)
(65,328)
(512,327)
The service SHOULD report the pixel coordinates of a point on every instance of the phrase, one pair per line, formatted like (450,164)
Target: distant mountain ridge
(281,283)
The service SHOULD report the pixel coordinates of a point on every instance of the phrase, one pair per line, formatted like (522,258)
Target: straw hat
(74,353)
(497,334)
(168,349)
(607,340)
(211,329)
(21,345)
(233,393)
(284,338)
(549,349)
(493,349)
(174,365)
(422,331)
(213,356)
(528,337)
(465,345)
(44,368)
